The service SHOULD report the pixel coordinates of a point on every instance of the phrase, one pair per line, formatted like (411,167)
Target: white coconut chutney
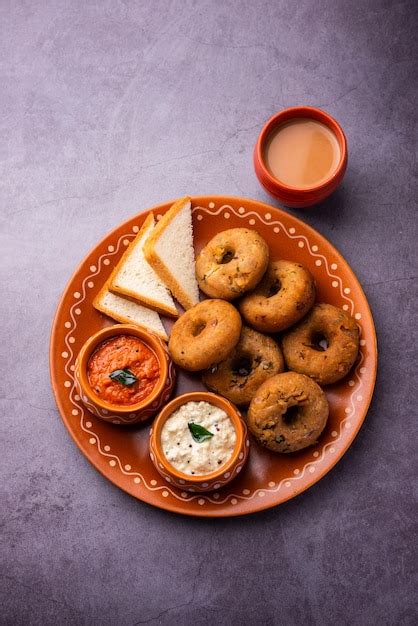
(192,457)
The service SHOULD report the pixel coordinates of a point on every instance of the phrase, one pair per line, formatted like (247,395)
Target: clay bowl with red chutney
(124,374)
(210,480)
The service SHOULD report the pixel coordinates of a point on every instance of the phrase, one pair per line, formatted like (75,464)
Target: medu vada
(204,335)
(254,359)
(231,263)
(282,298)
(288,412)
(324,345)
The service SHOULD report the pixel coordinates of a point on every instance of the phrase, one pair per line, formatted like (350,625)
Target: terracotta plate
(121,453)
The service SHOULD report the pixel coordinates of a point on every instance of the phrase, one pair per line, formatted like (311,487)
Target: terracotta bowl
(207,482)
(292,196)
(134,413)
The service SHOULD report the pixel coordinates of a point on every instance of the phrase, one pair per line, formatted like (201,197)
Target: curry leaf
(125,377)
(199,433)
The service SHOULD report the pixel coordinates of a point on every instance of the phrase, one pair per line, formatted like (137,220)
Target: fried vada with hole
(324,345)
(282,298)
(231,263)
(254,359)
(288,413)
(205,335)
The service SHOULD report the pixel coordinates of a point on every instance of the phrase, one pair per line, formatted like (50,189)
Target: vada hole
(291,415)
(274,288)
(319,342)
(226,257)
(198,328)
(242,366)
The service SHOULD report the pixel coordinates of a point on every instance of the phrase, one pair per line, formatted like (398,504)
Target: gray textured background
(111,107)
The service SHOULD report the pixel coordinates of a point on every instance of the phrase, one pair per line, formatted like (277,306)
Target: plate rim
(166,506)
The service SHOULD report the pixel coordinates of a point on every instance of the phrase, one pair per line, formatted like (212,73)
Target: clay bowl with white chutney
(199,442)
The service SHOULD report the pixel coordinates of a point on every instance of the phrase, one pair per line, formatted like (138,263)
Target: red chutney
(123,351)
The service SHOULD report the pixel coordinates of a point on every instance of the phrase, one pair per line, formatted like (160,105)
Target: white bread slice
(169,250)
(128,312)
(134,277)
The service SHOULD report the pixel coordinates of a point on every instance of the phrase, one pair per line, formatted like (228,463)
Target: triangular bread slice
(169,250)
(128,312)
(134,277)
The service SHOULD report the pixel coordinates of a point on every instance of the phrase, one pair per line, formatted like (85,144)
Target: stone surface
(112,106)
